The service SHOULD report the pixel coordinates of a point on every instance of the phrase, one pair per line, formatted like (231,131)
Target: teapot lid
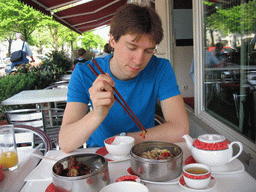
(211,138)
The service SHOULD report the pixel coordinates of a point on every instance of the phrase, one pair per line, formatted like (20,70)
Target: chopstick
(128,110)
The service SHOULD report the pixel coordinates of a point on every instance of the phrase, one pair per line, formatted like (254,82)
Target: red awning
(81,17)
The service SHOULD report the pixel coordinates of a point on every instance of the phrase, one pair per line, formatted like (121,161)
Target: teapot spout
(189,140)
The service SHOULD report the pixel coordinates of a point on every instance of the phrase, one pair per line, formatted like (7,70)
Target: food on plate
(158,154)
(75,168)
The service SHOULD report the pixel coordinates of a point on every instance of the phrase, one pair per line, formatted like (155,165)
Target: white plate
(111,158)
(211,185)
(234,166)
(170,182)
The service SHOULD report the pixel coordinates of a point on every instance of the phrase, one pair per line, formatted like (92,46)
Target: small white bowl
(119,145)
(125,186)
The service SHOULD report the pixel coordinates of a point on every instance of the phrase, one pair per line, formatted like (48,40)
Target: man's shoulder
(157,62)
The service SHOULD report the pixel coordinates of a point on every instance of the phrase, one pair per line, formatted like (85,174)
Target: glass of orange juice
(8,150)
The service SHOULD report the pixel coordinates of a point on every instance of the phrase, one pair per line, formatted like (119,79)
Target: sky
(103,32)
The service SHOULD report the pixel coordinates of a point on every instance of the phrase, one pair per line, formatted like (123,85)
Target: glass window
(229,64)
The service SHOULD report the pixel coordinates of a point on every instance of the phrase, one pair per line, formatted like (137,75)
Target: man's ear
(112,41)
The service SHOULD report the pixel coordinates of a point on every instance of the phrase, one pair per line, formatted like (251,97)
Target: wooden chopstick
(128,110)
(116,98)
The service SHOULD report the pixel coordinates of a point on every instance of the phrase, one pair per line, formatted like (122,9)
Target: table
(38,97)
(27,163)
(241,181)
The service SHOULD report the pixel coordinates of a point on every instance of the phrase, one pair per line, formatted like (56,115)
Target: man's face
(130,56)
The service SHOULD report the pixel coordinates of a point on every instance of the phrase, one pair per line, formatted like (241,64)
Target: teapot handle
(240,149)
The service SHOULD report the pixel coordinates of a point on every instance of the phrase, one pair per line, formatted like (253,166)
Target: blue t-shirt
(157,80)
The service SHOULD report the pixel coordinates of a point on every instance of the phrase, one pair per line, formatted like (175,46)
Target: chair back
(37,118)
(158,120)
(59,85)
(30,117)
(44,137)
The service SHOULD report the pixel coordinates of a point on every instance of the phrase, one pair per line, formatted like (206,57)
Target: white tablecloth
(241,181)
(14,180)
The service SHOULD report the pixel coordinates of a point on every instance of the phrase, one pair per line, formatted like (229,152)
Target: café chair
(38,118)
(24,135)
(158,120)
(59,85)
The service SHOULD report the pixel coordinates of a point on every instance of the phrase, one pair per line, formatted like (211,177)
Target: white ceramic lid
(211,138)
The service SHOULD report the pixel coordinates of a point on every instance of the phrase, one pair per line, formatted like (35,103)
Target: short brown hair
(81,52)
(107,48)
(138,20)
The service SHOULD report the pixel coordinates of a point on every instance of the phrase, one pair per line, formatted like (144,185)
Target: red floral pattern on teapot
(211,142)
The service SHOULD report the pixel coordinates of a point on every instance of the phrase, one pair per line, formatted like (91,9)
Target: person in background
(218,52)
(81,57)
(16,46)
(107,50)
(210,61)
(139,76)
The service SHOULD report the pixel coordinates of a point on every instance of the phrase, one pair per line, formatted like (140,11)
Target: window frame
(228,132)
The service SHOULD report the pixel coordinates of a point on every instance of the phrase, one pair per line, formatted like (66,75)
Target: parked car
(226,50)
(229,52)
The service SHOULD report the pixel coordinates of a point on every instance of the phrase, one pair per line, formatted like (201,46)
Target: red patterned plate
(190,160)
(170,182)
(50,188)
(111,158)
(211,185)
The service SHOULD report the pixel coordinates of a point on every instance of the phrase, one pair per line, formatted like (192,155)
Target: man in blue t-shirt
(139,77)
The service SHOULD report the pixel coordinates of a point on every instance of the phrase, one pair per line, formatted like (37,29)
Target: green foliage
(15,83)
(17,17)
(91,40)
(33,78)
(239,19)
(89,56)
(60,59)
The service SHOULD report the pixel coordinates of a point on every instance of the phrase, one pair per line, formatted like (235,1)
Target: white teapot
(212,149)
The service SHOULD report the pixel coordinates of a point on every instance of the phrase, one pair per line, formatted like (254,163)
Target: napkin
(14,180)
(43,171)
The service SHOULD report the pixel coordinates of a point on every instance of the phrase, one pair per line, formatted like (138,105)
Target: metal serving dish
(93,182)
(156,170)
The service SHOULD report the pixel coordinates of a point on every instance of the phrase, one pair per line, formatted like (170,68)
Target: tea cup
(197,175)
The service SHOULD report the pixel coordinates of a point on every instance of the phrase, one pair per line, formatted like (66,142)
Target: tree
(239,20)
(17,17)
(91,40)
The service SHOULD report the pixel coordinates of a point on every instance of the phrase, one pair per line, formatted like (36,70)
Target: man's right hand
(102,94)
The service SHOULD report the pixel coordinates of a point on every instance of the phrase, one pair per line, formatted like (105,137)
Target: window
(226,95)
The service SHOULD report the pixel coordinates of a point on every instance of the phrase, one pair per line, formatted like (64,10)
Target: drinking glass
(8,150)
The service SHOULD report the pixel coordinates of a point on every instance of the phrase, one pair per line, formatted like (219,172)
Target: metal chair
(158,120)
(59,85)
(22,131)
(40,119)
